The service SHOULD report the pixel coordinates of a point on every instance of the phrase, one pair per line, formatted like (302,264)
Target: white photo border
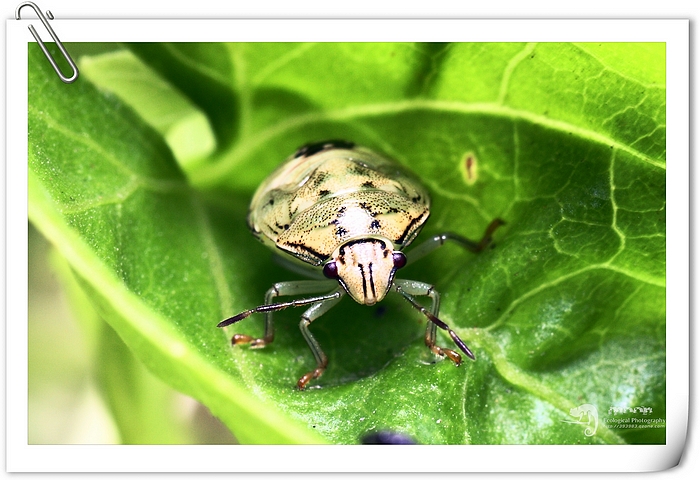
(21,457)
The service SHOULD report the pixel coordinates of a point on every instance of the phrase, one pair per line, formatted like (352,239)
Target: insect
(344,212)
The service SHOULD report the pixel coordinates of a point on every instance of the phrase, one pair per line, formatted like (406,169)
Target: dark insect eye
(330,270)
(399,260)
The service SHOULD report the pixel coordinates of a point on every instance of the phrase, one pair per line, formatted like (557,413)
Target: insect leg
(309,316)
(439,240)
(411,287)
(298,287)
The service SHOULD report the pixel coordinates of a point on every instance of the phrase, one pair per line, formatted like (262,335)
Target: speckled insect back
(322,199)
(347,212)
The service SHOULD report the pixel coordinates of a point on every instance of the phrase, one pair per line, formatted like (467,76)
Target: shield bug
(339,210)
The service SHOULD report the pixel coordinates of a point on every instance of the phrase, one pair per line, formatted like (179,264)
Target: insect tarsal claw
(240,339)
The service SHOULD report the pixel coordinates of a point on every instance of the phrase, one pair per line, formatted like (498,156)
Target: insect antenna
(455,338)
(275,307)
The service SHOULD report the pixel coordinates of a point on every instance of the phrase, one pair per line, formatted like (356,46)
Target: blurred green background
(71,394)
(78,394)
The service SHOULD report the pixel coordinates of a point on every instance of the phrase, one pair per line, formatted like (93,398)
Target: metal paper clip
(43,19)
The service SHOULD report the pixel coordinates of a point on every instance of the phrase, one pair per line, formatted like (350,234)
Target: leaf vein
(554,282)
(536,387)
(211,173)
(617,72)
(508,72)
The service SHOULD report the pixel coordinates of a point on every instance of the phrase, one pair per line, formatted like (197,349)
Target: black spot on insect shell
(358,169)
(301,151)
(340,231)
(312,148)
(319,178)
(315,148)
(281,227)
(368,185)
(318,256)
(339,144)
(341,211)
(409,227)
(374,224)
(416,199)
(323,193)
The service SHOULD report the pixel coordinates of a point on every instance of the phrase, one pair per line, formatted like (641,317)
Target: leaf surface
(565,142)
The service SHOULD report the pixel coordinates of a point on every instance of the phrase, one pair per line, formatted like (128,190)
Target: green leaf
(106,191)
(159,103)
(565,142)
(207,82)
(142,407)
